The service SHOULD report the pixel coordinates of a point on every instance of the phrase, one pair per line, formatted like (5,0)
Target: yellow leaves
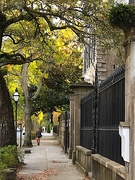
(55,116)
(60,43)
(65,45)
(64,37)
(40,116)
(43,25)
(9,67)
(34,72)
(45,75)
(80,67)
(66,34)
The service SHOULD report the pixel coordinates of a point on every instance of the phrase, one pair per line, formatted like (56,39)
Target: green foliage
(122,16)
(48,127)
(10,157)
(56,85)
(2,166)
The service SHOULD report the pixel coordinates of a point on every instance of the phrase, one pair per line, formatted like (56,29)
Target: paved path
(49,161)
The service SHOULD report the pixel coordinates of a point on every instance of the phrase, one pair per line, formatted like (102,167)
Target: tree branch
(23,16)
(14,41)
(60,15)
(6,58)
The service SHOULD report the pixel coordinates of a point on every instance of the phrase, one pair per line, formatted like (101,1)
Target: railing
(86,121)
(101,112)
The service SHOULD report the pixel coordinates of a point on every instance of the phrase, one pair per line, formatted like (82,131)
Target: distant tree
(54,93)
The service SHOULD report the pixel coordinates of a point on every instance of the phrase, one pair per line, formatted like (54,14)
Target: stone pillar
(130,99)
(78,91)
(71,130)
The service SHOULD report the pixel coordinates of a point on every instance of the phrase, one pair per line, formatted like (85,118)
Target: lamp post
(20,127)
(16,98)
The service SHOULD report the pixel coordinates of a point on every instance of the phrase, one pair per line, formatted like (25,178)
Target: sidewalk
(48,162)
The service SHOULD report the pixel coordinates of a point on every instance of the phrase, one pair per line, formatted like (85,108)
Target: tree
(64,61)
(55,91)
(63,72)
(23,20)
(7,124)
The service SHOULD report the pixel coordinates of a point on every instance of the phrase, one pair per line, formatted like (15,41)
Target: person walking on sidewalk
(38,136)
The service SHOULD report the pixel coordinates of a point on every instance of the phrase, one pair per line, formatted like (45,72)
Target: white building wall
(122,1)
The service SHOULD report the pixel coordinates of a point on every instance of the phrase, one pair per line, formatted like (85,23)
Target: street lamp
(20,128)
(16,98)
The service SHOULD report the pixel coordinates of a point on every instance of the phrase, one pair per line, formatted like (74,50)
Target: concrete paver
(49,156)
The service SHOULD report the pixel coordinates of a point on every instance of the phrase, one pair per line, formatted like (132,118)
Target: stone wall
(106,64)
(61,132)
(78,91)
(105,169)
(83,159)
(97,167)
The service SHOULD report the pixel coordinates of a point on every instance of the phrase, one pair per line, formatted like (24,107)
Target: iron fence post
(95,115)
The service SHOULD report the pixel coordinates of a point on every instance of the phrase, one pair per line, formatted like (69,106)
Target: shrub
(48,127)
(2,166)
(10,157)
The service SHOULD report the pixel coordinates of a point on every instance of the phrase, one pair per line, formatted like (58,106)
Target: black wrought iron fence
(86,121)
(99,131)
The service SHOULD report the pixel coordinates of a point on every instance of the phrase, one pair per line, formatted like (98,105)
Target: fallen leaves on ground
(39,176)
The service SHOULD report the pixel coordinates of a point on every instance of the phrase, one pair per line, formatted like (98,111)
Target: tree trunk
(7,128)
(27,109)
(27,116)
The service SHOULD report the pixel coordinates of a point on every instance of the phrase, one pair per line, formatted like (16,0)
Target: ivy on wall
(122,16)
